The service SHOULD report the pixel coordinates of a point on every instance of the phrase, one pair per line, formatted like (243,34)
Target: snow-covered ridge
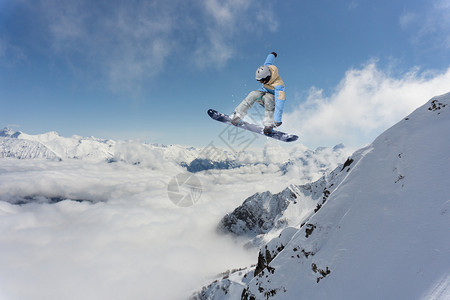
(51,145)
(24,149)
(264,215)
(379,231)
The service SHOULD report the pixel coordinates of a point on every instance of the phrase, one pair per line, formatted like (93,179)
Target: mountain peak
(9,132)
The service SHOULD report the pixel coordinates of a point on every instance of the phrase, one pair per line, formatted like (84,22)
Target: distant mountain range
(52,146)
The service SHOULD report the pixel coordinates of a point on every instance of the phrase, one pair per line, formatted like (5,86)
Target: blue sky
(149,70)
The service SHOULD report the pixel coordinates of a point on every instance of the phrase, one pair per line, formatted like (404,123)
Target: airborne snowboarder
(271,95)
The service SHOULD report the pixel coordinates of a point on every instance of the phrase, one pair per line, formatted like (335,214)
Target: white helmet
(263,74)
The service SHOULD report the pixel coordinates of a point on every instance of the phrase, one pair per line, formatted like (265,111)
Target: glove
(278,124)
(274,54)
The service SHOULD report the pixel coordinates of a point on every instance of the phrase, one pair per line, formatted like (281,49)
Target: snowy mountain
(374,228)
(24,149)
(264,215)
(52,146)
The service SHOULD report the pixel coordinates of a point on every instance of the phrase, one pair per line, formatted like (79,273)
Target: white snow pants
(265,99)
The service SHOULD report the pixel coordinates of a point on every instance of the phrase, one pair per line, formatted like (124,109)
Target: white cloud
(366,102)
(353,6)
(227,21)
(124,43)
(136,245)
(10,54)
(430,27)
(216,52)
(406,19)
(131,242)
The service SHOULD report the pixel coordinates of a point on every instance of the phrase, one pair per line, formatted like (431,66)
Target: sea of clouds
(99,230)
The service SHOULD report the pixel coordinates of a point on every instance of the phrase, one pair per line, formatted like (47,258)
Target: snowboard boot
(235,120)
(268,130)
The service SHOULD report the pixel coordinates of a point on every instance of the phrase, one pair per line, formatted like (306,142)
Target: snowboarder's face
(264,80)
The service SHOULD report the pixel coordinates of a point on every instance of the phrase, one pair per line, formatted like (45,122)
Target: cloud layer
(134,243)
(366,102)
(129,240)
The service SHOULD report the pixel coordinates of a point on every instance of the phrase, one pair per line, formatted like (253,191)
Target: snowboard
(278,135)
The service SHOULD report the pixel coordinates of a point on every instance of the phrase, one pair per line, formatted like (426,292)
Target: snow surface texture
(381,233)
(86,218)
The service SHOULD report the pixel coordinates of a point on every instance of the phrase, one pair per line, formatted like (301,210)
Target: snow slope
(383,231)
(23,149)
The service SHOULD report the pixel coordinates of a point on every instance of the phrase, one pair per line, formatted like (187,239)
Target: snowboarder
(271,95)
